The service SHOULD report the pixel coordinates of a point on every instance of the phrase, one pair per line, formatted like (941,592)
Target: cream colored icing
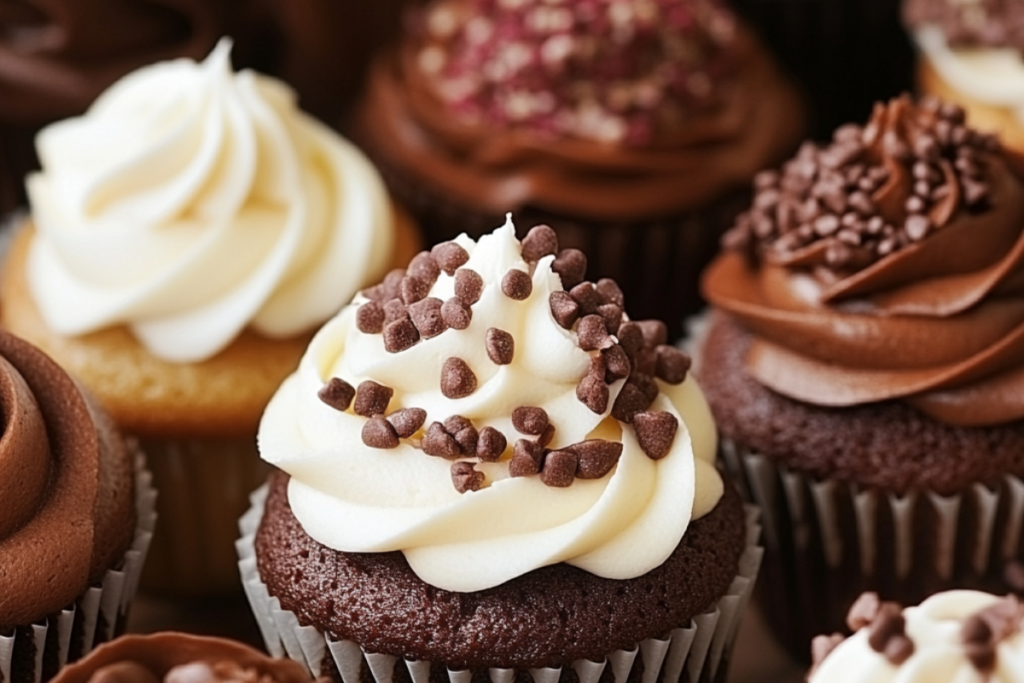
(939,656)
(991,75)
(354,498)
(191,201)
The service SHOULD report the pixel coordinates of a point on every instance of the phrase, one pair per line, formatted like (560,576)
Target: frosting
(495,524)
(190,202)
(677,152)
(66,483)
(887,266)
(945,646)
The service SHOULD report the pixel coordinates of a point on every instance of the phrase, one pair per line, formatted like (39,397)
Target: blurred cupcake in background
(186,236)
(632,128)
(972,53)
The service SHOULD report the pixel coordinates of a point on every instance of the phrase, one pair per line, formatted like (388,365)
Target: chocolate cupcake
(863,364)
(971,54)
(632,128)
(76,521)
(483,472)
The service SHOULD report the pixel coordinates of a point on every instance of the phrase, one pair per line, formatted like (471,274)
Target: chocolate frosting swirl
(66,482)
(935,319)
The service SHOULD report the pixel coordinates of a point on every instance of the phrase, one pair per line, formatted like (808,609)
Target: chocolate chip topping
(490,444)
(612,316)
(596,457)
(655,431)
(465,478)
(671,365)
(370,318)
(585,294)
(464,433)
(407,421)
(559,468)
(530,420)
(449,256)
(372,399)
(629,402)
(457,380)
(631,337)
(501,346)
(400,335)
(426,317)
(616,363)
(424,267)
(863,611)
(414,289)
(982,632)
(610,291)
(438,442)
(394,309)
(564,309)
(887,635)
(592,333)
(527,458)
(655,332)
(468,286)
(455,423)
(821,647)
(337,393)
(547,435)
(517,284)
(541,241)
(390,288)
(571,266)
(593,393)
(456,314)
(379,433)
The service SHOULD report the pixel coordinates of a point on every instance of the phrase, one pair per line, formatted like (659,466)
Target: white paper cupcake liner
(695,652)
(110,600)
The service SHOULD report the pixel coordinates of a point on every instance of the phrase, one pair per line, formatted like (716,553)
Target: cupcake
(632,128)
(486,466)
(973,54)
(186,236)
(962,636)
(76,521)
(863,364)
(171,657)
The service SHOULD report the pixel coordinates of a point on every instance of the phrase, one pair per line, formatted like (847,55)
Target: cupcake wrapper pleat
(695,652)
(33,653)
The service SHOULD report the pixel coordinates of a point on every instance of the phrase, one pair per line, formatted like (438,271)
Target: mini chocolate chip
(456,423)
(468,286)
(370,318)
(610,292)
(372,399)
(457,379)
(981,655)
(437,441)
(898,649)
(467,439)
(598,366)
(490,444)
(975,630)
(501,346)
(645,383)
(395,309)
(592,333)
(414,289)
(863,611)
(541,241)
(596,457)
(424,267)
(388,289)
(654,331)
(564,309)
(655,431)
(587,296)
(616,363)
(629,402)
(547,435)
(400,335)
(426,316)
(887,623)
(379,433)
(612,316)
(337,393)
(631,337)
(571,266)
(527,457)
(465,478)
(559,468)
(449,256)
(593,393)
(671,365)
(456,314)
(407,421)
(529,420)
(517,284)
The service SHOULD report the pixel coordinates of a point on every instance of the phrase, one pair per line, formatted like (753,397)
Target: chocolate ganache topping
(887,265)
(66,482)
(971,24)
(613,110)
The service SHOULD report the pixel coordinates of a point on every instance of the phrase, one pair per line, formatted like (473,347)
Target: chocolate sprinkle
(559,468)
(457,380)
(456,314)
(672,364)
(592,333)
(571,266)
(541,241)
(564,309)
(596,457)
(465,478)
(655,431)
(449,256)
(593,393)
(379,433)
(517,284)
(527,457)
(370,318)
(438,442)
(500,346)
(426,316)
(407,421)
(372,399)
(530,420)
(400,335)
(337,393)
(490,444)
(468,286)
(424,267)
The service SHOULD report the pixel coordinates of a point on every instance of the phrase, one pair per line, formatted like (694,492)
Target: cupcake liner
(34,652)
(696,652)
(204,486)
(827,541)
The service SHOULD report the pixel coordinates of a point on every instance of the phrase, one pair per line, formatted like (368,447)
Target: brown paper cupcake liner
(698,651)
(827,541)
(34,652)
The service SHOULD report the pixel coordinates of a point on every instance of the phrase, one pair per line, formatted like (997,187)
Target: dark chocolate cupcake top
(488,412)
(887,265)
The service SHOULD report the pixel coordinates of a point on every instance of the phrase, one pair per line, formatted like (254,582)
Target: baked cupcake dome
(846,371)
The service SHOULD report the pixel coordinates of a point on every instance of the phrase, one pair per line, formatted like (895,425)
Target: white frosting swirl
(939,655)
(354,498)
(190,202)
(994,76)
